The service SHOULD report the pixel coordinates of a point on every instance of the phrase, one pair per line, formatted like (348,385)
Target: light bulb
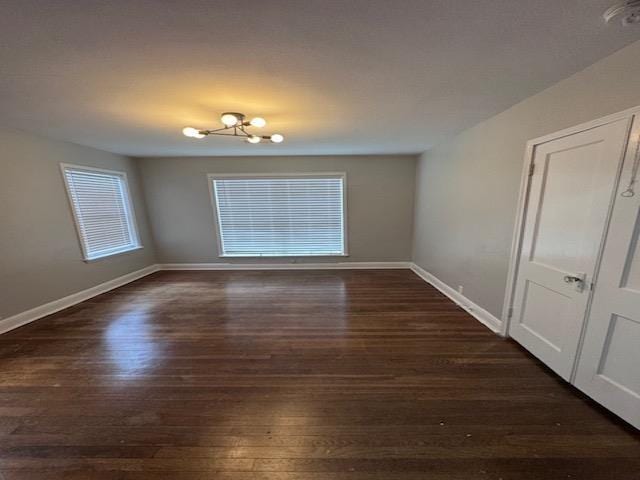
(277,138)
(253,139)
(190,132)
(199,135)
(229,119)
(258,122)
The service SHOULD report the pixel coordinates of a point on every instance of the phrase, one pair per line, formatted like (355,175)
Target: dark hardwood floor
(290,375)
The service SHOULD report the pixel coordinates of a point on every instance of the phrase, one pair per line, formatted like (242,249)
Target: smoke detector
(628,12)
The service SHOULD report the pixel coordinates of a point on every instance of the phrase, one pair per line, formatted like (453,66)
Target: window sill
(112,254)
(309,255)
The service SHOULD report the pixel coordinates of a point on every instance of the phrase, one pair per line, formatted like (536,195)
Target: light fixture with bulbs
(235,125)
(628,12)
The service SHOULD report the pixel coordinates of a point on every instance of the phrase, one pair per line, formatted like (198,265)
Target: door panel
(609,365)
(570,177)
(545,314)
(617,364)
(569,197)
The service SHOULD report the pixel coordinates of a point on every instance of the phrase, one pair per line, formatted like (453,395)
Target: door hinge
(509,313)
(532,167)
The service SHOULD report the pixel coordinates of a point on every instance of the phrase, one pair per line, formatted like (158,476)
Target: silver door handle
(578,280)
(572,279)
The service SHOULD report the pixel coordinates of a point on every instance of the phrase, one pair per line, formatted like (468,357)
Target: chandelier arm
(218,132)
(209,132)
(244,132)
(237,130)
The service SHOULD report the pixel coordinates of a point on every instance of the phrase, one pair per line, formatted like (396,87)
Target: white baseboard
(23,318)
(285,266)
(476,311)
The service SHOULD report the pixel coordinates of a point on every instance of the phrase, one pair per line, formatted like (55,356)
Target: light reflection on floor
(132,347)
(327,291)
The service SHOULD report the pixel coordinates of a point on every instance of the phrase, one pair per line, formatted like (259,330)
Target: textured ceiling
(335,77)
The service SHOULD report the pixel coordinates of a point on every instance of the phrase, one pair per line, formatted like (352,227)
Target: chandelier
(236,125)
(628,12)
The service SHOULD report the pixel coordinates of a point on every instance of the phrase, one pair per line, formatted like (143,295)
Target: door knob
(572,279)
(577,280)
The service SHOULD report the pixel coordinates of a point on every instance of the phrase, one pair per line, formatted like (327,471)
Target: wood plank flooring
(290,375)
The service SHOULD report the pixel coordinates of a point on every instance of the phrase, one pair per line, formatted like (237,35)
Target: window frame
(129,209)
(230,176)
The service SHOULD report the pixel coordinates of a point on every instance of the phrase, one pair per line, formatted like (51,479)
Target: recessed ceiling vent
(628,12)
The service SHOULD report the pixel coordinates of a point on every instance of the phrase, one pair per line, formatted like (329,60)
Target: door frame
(523,198)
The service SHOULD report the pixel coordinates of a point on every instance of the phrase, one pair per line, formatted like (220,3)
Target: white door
(570,193)
(609,364)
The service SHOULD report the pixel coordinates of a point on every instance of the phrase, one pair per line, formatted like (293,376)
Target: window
(102,211)
(291,215)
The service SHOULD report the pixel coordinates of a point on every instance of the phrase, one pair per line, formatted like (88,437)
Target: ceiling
(333,76)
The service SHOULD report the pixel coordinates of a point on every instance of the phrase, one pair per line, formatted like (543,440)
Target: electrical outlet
(460,289)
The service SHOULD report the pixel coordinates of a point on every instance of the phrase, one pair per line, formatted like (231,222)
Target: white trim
(216,211)
(278,175)
(516,240)
(288,255)
(287,266)
(614,117)
(487,319)
(36,313)
(113,254)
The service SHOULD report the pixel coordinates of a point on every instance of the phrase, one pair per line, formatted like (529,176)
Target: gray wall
(40,257)
(467,188)
(465,198)
(380,194)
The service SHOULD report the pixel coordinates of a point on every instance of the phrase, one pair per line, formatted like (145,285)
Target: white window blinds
(283,216)
(102,211)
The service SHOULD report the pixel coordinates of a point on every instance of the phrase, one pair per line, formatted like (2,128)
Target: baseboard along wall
(286,266)
(489,320)
(28,316)
(15,321)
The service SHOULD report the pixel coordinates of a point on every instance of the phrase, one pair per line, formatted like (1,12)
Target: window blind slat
(280,216)
(102,211)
